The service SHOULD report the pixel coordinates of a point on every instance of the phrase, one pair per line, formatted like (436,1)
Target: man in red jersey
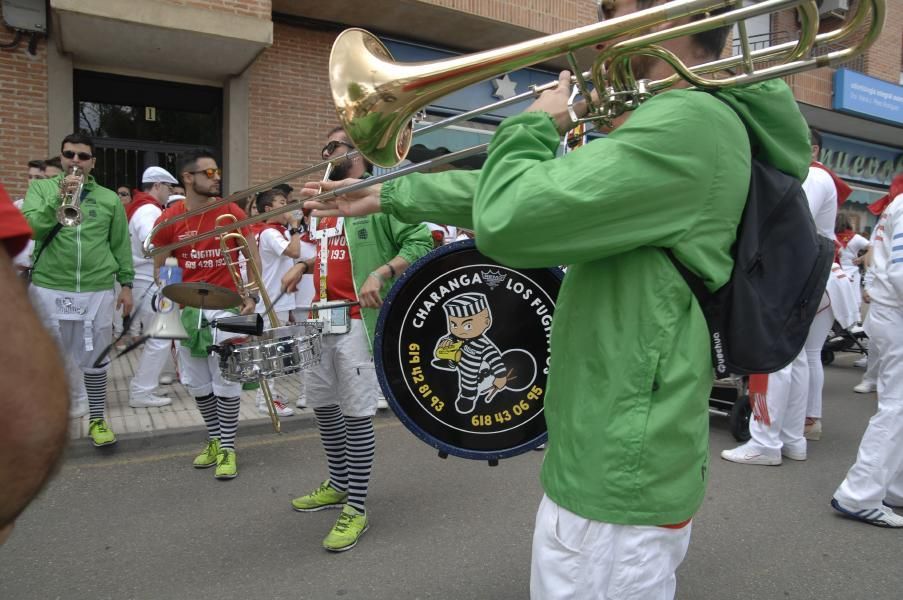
(218,400)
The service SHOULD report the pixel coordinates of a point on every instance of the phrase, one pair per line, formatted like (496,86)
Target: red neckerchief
(896,188)
(139,199)
(843,190)
(844,237)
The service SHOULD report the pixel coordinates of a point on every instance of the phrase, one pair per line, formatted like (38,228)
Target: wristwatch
(294,230)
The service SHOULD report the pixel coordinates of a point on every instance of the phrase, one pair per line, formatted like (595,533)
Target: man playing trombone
(626,408)
(217,400)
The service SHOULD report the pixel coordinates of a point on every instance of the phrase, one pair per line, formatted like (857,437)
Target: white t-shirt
(306,292)
(822,195)
(856,244)
(272,243)
(449,232)
(139,228)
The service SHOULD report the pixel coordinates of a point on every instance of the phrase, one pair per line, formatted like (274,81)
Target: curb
(166,438)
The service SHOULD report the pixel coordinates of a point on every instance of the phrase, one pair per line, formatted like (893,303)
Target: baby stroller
(730,396)
(839,339)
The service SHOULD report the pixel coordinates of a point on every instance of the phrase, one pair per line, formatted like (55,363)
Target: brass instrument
(246,290)
(376,98)
(69,213)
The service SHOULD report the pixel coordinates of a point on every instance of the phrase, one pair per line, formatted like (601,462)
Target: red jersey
(203,260)
(339,280)
(14,229)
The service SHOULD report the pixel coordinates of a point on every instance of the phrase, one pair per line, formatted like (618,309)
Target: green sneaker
(226,466)
(324,496)
(101,433)
(347,530)
(207,458)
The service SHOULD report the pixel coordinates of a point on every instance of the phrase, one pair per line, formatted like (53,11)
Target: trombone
(376,97)
(246,289)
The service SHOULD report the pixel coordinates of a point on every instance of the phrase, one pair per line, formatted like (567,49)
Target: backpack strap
(702,293)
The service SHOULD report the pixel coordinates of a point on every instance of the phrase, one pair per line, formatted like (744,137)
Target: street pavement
(137,522)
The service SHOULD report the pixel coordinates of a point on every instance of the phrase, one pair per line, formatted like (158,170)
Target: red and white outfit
(202,261)
(142,212)
(877,475)
(272,240)
(442,234)
(850,244)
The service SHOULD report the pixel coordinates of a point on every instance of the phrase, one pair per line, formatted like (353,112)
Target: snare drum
(278,352)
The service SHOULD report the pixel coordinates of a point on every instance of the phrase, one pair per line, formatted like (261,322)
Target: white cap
(157,175)
(174,198)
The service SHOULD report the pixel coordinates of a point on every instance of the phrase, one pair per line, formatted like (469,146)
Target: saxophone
(69,214)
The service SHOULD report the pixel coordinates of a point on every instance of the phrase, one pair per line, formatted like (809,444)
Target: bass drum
(462,352)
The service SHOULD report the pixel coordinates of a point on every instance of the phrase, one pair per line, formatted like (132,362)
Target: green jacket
(373,241)
(630,375)
(86,258)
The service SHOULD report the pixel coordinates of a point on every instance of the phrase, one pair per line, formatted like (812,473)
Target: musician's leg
(97,334)
(361,449)
(333,437)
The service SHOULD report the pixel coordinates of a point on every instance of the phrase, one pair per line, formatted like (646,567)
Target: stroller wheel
(739,419)
(827,357)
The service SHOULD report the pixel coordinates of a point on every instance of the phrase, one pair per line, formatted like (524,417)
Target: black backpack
(759,320)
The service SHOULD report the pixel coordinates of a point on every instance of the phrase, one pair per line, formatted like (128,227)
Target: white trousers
(154,353)
(877,474)
(786,399)
(579,559)
(818,333)
(346,375)
(142,293)
(82,339)
(202,376)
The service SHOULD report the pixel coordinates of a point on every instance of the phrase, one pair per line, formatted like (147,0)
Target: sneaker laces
(99,424)
(344,522)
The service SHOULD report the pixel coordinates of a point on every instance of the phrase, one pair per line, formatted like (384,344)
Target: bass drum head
(462,352)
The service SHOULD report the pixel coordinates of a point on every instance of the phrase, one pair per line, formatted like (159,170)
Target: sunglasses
(333,146)
(210,173)
(123,194)
(81,155)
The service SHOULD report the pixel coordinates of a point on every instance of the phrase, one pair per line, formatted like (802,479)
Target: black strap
(695,282)
(47,240)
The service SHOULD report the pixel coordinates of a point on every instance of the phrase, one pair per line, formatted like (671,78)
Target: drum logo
(475,347)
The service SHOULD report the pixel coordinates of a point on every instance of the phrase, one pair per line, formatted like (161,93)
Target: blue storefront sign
(856,160)
(869,97)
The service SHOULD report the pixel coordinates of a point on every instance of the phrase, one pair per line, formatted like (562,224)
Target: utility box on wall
(25,15)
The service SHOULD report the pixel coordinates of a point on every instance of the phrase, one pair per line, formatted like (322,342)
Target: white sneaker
(301,402)
(166,379)
(381,403)
(793,454)
(865,387)
(281,409)
(862,363)
(78,410)
(880,517)
(811,432)
(149,401)
(856,329)
(750,455)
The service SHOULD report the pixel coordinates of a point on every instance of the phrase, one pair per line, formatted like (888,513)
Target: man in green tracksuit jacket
(74,275)
(356,260)
(627,401)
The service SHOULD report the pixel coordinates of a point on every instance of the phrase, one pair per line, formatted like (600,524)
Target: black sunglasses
(333,145)
(69,154)
(123,194)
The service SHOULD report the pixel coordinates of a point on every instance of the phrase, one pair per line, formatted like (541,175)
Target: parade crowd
(625,469)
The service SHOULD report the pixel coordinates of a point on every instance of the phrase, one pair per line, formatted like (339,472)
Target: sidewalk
(182,414)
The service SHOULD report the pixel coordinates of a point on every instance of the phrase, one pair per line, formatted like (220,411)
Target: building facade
(249,80)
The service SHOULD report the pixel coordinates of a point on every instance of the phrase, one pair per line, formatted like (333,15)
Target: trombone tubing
(297,204)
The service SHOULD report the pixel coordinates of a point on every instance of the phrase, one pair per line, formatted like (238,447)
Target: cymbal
(202,295)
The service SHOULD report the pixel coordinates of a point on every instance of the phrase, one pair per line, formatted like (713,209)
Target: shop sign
(867,96)
(861,161)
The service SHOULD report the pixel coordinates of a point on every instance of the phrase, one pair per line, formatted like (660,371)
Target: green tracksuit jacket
(627,400)
(86,258)
(373,241)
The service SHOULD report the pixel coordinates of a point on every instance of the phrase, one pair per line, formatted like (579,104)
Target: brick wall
(885,59)
(291,108)
(23,111)
(250,8)
(548,16)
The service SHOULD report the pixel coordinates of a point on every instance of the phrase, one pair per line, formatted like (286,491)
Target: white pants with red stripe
(787,398)
(576,558)
(877,474)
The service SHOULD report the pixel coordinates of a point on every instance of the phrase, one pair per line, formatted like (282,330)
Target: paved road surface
(140,523)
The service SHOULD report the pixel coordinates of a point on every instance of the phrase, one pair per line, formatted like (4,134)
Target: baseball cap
(157,175)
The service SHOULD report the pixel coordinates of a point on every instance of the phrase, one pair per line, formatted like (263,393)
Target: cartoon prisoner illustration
(468,350)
